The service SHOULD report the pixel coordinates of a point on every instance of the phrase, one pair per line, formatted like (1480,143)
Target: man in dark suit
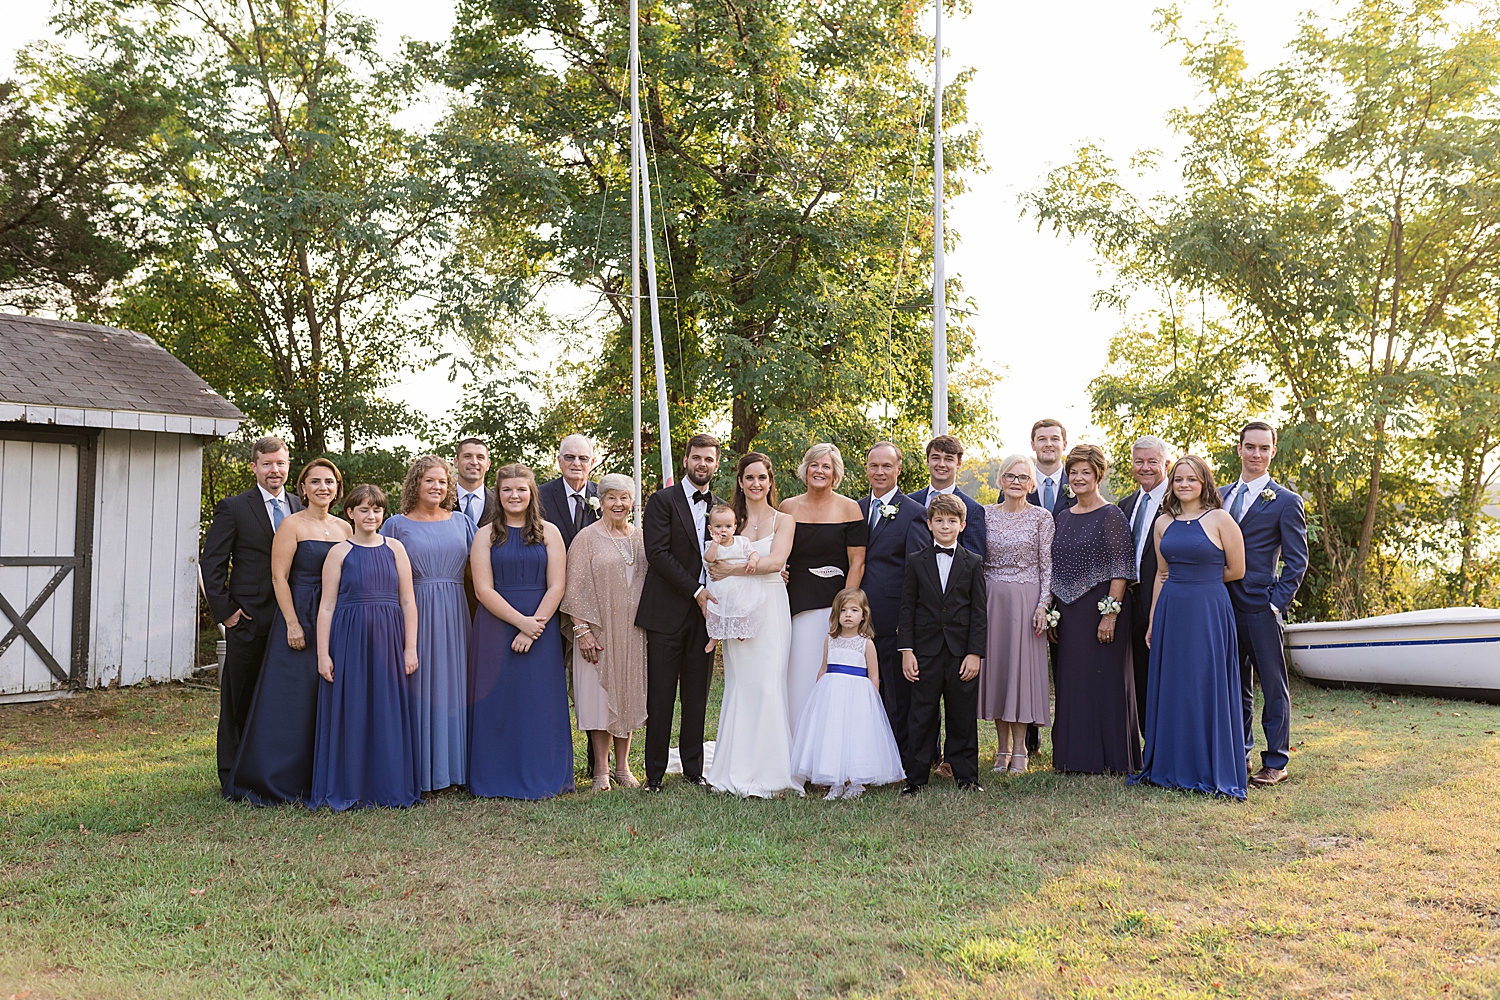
(674,599)
(1148,464)
(236,571)
(898,529)
(570,501)
(945,456)
(476,500)
(942,635)
(1049,447)
(1274,524)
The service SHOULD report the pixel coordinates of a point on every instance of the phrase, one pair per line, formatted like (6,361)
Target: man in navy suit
(1148,465)
(236,573)
(1275,528)
(1049,445)
(945,456)
(570,500)
(898,528)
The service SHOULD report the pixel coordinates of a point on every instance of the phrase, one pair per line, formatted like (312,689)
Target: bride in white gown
(753,755)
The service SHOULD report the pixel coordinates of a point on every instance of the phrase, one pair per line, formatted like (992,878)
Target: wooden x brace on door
(21,623)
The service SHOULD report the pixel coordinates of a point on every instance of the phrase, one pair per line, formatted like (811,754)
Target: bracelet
(581,629)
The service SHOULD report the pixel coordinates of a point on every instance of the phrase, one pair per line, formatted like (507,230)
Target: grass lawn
(1375,872)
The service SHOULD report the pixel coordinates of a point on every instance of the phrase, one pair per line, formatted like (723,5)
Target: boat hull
(1446,653)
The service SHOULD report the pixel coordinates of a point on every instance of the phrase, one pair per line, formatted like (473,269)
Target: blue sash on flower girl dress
(846,661)
(843,734)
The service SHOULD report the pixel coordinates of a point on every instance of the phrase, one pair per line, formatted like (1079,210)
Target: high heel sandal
(624,778)
(1002,761)
(601,782)
(1016,758)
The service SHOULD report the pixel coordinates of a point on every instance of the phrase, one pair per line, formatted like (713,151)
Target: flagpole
(663,422)
(635,242)
(939,268)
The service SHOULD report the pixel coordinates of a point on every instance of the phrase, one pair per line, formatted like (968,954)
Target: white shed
(101,459)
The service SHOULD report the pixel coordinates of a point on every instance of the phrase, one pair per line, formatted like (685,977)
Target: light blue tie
(469,506)
(277,514)
(1238,508)
(1049,495)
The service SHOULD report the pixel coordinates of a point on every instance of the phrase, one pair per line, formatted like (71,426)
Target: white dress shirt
(1058,477)
(1152,502)
(700,521)
(1252,496)
(877,502)
(266,496)
(933,491)
(945,565)
(577,499)
(476,506)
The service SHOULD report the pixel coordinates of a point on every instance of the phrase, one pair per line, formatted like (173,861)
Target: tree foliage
(1340,213)
(789,149)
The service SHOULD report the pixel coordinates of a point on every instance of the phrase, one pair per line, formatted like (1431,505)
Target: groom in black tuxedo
(942,636)
(236,568)
(672,611)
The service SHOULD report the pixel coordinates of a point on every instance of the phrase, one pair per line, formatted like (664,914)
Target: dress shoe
(911,791)
(1268,776)
(652,786)
(696,780)
(970,786)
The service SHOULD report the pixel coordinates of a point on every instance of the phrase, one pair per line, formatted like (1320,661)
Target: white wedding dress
(753,753)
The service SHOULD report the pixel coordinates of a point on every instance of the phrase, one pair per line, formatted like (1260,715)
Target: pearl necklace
(624,550)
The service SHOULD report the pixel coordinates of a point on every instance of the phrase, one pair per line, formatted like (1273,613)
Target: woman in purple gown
(1093,558)
(1194,736)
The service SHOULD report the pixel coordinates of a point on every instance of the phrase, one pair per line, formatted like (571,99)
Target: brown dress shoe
(1267,776)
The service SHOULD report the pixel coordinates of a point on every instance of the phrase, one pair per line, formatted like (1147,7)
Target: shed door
(39,480)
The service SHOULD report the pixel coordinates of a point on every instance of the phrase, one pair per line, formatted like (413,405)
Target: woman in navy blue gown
(520,732)
(365,752)
(1194,733)
(275,760)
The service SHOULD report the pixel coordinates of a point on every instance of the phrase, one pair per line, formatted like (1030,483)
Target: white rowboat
(1446,652)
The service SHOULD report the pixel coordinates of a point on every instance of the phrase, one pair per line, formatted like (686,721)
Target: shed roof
(48,363)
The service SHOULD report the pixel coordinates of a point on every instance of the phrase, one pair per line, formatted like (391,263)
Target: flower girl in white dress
(843,737)
(735,611)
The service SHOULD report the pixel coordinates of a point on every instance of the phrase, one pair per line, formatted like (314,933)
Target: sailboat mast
(939,268)
(635,241)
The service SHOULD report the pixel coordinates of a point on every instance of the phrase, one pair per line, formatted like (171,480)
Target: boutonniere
(1267,495)
(593,503)
(1067,491)
(889,510)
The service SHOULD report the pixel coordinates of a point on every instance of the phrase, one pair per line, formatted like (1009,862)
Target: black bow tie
(702,496)
(945,552)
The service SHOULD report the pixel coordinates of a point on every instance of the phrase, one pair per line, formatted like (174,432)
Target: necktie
(945,552)
(874,511)
(469,506)
(1140,518)
(577,512)
(277,514)
(1049,494)
(1239,501)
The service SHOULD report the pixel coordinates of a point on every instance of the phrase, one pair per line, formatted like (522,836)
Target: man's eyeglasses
(575,459)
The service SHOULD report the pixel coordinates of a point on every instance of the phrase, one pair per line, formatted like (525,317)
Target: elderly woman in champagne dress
(606,571)
(1013,684)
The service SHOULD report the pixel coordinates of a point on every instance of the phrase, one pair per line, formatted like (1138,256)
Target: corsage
(1109,606)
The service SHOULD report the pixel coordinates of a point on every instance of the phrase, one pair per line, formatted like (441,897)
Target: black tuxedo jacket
(1147,576)
(892,542)
(933,618)
(975,536)
(1062,503)
(674,558)
(557,509)
(236,563)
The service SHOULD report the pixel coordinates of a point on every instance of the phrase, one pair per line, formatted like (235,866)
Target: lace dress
(843,734)
(1013,682)
(737,613)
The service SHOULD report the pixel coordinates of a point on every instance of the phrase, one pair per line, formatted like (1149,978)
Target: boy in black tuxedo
(942,635)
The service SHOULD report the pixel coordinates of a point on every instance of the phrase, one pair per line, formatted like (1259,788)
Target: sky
(1048,78)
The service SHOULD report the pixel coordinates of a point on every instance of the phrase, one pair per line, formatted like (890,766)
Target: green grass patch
(1374,872)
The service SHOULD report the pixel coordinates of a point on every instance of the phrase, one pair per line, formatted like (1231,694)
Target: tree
(1340,212)
(73,131)
(789,149)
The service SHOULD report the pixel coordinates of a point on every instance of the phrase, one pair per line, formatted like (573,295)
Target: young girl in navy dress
(364,754)
(844,739)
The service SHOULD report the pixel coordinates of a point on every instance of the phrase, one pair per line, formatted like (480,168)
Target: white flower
(1053,617)
(888,510)
(593,503)
(1267,494)
(1109,606)
(1068,490)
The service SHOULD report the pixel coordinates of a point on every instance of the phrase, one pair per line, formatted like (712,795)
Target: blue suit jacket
(975,535)
(1275,533)
(892,542)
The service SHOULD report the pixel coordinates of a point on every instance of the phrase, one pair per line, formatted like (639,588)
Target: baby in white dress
(735,611)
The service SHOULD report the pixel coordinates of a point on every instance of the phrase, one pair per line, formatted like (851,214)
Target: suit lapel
(1253,505)
(257,507)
